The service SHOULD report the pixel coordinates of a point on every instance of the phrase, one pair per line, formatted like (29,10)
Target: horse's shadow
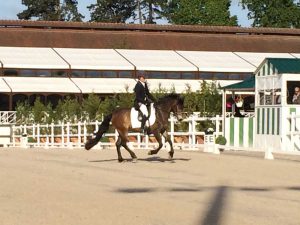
(153,159)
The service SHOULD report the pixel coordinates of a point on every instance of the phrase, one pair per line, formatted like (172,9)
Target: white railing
(7,117)
(75,135)
(245,114)
(294,132)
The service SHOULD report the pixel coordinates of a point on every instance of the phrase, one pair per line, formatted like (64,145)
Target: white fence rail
(7,117)
(294,131)
(75,135)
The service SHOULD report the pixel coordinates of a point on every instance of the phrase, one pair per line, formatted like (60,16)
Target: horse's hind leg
(160,144)
(118,145)
(168,139)
(124,141)
(132,154)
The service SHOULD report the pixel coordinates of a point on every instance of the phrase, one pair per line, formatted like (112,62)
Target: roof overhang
(41,85)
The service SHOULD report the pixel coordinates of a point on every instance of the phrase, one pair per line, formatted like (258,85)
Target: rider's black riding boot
(143,122)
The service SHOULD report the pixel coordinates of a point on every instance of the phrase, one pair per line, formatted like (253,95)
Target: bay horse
(120,120)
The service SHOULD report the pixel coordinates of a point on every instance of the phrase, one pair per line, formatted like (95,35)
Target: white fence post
(52,134)
(79,134)
(38,136)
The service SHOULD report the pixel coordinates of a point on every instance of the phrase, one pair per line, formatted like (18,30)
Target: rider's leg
(144,111)
(143,122)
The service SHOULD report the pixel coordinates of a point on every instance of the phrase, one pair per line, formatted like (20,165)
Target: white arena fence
(294,132)
(7,117)
(75,135)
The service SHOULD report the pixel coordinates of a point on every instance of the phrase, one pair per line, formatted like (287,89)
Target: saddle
(136,120)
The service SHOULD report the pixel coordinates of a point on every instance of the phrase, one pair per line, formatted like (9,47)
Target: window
(188,75)
(222,76)
(156,75)
(109,74)
(10,72)
(208,76)
(43,73)
(93,74)
(59,73)
(291,92)
(234,76)
(125,74)
(27,73)
(78,73)
(173,75)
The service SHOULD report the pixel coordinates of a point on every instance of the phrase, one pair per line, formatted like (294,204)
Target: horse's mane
(165,99)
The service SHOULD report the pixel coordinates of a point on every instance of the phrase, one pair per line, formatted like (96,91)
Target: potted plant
(31,141)
(221,140)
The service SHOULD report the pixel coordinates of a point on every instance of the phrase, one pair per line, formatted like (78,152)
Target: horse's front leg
(168,139)
(118,145)
(160,144)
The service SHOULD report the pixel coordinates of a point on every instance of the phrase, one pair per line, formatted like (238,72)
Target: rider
(143,99)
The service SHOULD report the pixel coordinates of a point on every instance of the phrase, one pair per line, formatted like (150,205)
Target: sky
(10,8)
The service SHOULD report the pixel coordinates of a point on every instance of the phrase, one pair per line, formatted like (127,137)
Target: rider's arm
(150,96)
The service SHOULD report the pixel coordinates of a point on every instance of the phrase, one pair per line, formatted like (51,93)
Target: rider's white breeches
(144,110)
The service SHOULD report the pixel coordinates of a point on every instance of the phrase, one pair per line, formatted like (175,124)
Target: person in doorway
(143,99)
(296,96)
(239,102)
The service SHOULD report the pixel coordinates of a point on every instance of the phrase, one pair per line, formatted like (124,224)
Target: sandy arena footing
(77,187)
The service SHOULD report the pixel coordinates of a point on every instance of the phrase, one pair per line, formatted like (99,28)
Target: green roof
(246,85)
(284,65)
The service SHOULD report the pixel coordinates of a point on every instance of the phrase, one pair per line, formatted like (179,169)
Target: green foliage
(203,125)
(273,13)
(31,140)
(125,100)
(152,9)
(221,140)
(204,12)
(119,11)
(68,110)
(108,105)
(91,106)
(69,11)
(113,11)
(207,100)
(50,10)
(161,91)
(39,111)
(23,113)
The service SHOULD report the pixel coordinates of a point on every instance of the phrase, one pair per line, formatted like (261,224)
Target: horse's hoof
(150,153)
(120,160)
(134,160)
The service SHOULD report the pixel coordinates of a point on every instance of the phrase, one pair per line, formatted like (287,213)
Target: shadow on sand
(150,159)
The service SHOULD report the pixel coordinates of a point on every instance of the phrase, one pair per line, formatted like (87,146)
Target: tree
(69,11)
(273,13)
(114,11)
(206,12)
(51,10)
(90,107)
(150,10)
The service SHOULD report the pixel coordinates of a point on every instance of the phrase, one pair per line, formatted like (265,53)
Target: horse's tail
(102,129)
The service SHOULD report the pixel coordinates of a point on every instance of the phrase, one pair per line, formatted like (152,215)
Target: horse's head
(177,108)
(172,103)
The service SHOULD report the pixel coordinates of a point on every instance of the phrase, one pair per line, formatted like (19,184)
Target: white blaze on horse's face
(179,116)
(179,112)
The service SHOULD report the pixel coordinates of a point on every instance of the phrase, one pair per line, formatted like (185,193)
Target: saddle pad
(135,123)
